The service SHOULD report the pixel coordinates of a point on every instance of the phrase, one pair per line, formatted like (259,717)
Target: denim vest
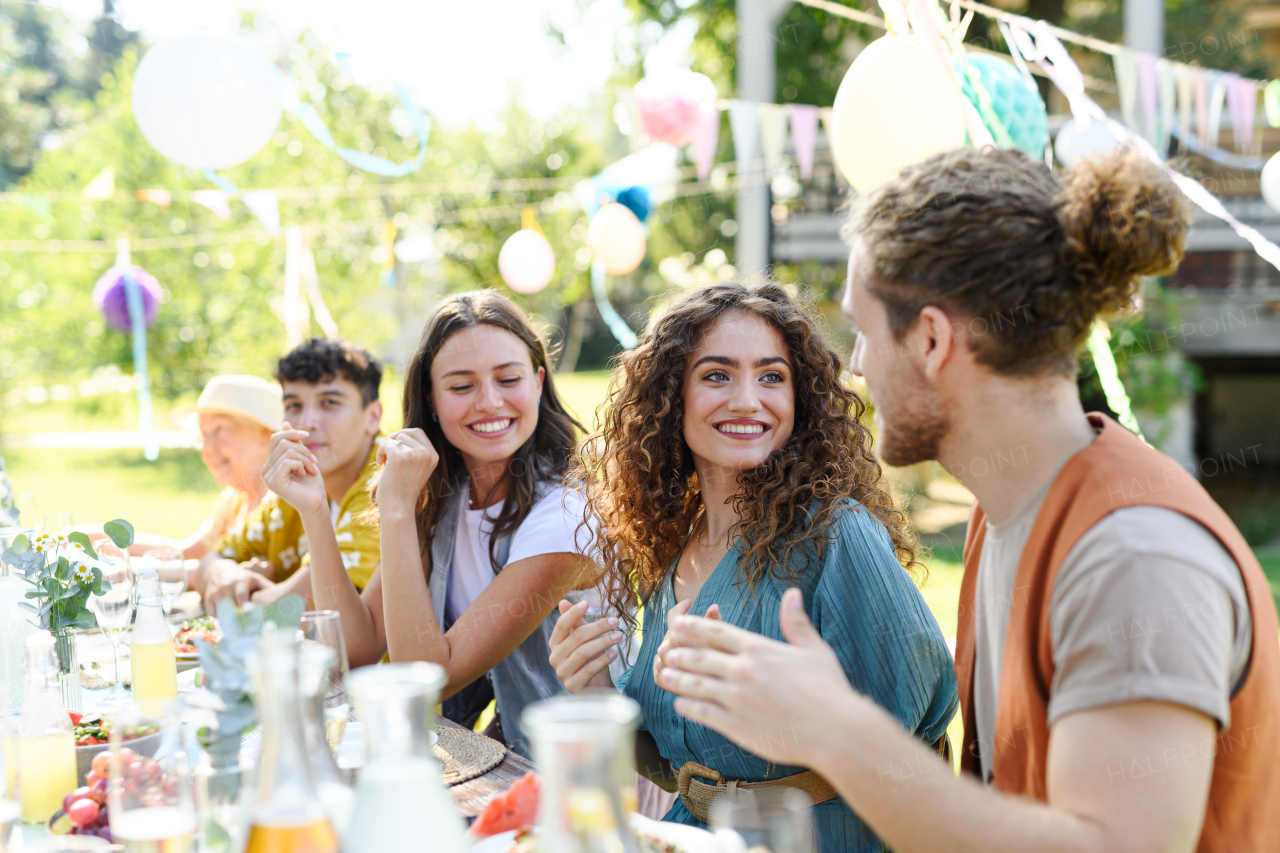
(525,675)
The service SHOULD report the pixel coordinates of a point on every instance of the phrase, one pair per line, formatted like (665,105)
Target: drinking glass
(772,820)
(10,798)
(149,792)
(55,523)
(114,611)
(172,570)
(325,627)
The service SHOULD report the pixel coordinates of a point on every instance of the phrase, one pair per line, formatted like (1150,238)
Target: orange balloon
(616,239)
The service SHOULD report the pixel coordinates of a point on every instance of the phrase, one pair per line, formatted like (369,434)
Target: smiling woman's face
(739,401)
(485,391)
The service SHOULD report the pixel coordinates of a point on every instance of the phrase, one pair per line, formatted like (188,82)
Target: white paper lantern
(1271,182)
(526,261)
(896,106)
(1073,144)
(616,239)
(206,101)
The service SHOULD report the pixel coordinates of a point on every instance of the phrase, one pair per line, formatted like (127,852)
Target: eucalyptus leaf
(83,541)
(22,544)
(28,606)
(286,612)
(84,619)
(120,531)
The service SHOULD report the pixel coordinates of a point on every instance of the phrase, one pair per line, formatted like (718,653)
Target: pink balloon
(616,239)
(526,261)
(671,105)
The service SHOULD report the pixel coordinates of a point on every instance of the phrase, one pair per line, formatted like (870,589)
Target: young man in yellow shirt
(330,391)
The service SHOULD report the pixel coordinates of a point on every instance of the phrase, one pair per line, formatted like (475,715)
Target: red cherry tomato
(83,812)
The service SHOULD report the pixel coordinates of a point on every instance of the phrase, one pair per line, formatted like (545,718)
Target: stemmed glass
(325,627)
(172,570)
(114,611)
(773,820)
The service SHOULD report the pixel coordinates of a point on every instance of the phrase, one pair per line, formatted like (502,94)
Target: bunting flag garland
(160,198)
(1126,68)
(707,140)
(1202,108)
(1242,101)
(302,286)
(1217,99)
(101,187)
(1186,82)
(1147,87)
(773,135)
(744,123)
(804,131)
(1166,103)
(215,200)
(266,207)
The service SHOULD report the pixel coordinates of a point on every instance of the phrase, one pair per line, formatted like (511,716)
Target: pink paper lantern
(616,239)
(109,296)
(673,104)
(526,261)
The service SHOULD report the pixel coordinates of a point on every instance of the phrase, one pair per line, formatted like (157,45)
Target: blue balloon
(636,200)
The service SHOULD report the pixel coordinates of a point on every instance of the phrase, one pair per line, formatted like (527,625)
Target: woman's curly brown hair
(637,474)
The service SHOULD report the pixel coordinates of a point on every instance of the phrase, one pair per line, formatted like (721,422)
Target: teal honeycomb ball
(1015,101)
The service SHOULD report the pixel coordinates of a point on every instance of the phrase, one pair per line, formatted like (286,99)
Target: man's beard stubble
(913,432)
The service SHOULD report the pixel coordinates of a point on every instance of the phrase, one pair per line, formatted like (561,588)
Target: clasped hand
(293,472)
(408,459)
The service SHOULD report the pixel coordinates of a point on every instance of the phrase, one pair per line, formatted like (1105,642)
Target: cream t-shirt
(1147,605)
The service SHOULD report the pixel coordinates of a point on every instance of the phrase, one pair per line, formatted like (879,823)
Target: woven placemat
(465,754)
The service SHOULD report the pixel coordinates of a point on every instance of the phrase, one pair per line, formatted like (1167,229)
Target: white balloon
(205,100)
(1074,144)
(616,239)
(526,261)
(896,106)
(1271,182)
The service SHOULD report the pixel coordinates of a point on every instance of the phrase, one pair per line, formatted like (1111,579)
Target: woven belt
(697,795)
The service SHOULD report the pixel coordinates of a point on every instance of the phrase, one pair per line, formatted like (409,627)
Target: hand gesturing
(408,459)
(293,472)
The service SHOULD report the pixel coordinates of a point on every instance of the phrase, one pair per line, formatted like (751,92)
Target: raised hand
(672,638)
(293,472)
(581,652)
(408,459)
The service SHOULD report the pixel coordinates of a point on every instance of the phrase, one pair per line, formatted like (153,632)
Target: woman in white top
(478,538)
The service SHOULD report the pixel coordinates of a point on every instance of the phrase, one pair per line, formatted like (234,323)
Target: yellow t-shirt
(274,532)
(230,510)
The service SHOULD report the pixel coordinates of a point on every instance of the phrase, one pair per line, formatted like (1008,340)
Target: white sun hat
(240,396)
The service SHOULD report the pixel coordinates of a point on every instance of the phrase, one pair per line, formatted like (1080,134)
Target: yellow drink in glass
(47,770)
(155,675)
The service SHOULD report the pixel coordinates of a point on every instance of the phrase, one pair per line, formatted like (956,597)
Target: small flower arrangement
(60,568)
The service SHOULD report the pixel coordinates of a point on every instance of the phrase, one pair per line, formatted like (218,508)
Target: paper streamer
(266,207)
(744,123)
(377,165)
(138,327)
(220,182)
(773,135)
(804,133)
(1109,377)
(621,331)
(707,139)
(215,200)
(101,187)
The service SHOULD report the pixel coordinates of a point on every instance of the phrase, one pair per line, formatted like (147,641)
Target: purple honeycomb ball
(109,296)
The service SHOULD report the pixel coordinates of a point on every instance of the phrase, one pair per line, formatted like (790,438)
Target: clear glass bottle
(287,814)
(45,747)
(584,747)
(317,665)
(153,662)
(401,804)
(15,625)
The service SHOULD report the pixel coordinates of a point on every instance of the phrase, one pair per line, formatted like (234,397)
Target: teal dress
(866,608)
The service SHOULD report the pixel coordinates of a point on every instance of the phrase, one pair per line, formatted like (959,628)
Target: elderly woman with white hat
(235,417)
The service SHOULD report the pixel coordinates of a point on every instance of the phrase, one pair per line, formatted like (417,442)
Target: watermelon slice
(515,808)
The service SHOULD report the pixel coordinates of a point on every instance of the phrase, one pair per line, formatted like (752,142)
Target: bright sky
(463,58)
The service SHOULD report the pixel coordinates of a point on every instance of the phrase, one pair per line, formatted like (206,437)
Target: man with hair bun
(1117,654)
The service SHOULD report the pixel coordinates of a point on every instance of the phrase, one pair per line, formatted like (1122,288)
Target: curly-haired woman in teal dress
(731,465)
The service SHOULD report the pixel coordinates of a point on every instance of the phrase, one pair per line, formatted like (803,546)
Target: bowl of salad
(92,732)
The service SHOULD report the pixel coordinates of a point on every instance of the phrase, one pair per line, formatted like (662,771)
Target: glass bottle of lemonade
(287,815)
(152,661)
(45,748)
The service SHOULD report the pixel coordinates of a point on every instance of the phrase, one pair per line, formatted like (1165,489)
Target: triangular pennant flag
(1126,62)
(744,122)
(215,200)
(804,131)
(1147,90)
(101,187)
(1202,105)
(706,139)
(1217,99)
(1242,97)
(293,308)
(773,135)
(160,198)
(1167,95)
(1186,98)
(264,205)
(37,204)
(1272,101)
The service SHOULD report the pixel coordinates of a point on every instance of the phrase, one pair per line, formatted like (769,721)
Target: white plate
(690,839)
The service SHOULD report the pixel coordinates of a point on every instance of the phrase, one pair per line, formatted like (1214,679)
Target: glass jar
(584,747)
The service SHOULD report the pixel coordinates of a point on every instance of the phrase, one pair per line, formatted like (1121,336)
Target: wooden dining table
(473,795)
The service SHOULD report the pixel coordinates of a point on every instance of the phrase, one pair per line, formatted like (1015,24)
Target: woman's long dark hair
(544,456)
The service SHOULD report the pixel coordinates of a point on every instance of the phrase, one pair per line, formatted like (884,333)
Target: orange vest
(1118,470)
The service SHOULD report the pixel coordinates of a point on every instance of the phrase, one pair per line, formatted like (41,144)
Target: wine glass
(114,611)
(325,627)
(172,571)
(770,820)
